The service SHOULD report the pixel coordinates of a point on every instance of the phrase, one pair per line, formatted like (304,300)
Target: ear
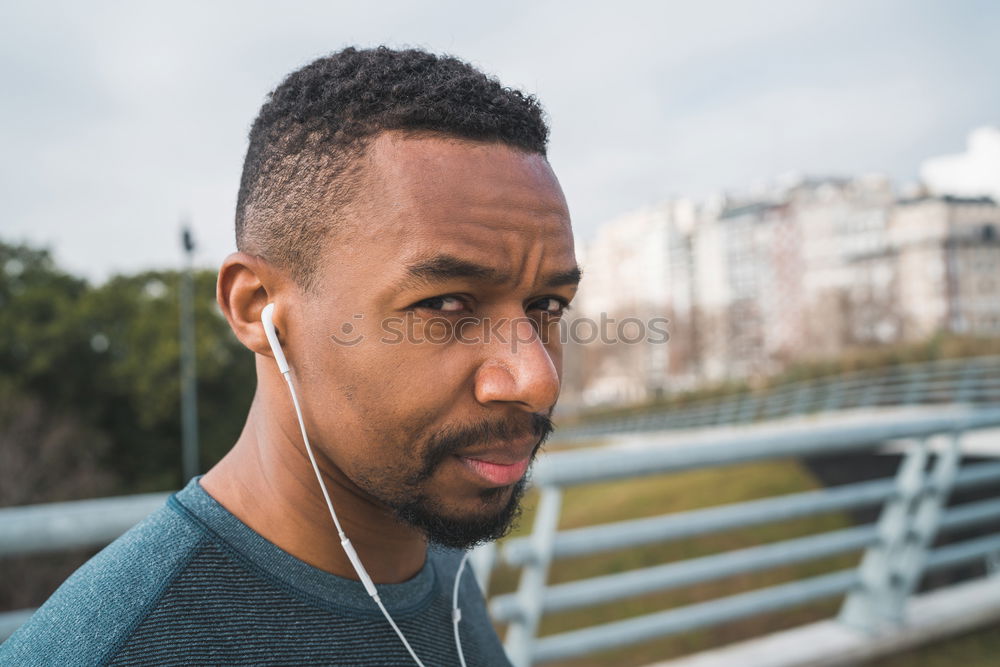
(246,284)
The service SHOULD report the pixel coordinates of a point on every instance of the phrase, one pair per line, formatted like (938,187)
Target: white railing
(897,550)
(974,380)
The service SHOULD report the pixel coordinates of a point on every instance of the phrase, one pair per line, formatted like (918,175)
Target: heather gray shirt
(193,585)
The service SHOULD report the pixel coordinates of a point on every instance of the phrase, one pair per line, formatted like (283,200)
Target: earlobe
(244,287)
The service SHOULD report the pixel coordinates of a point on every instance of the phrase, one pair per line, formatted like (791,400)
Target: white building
(949,265)
(841,222)
(804,271)
(636,267)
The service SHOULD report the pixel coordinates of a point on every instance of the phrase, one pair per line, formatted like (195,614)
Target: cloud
(122,116)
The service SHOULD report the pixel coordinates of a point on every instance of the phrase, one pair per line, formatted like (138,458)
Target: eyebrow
(441,268)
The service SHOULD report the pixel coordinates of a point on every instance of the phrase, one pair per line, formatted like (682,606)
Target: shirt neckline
(225,527)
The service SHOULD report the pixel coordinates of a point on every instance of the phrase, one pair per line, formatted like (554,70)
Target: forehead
(484,202)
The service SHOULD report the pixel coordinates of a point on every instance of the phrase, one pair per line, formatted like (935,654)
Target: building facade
(749,286)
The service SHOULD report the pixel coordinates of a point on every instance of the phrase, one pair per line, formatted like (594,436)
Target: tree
(108,359)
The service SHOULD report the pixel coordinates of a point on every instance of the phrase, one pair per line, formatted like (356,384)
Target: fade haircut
(303,166)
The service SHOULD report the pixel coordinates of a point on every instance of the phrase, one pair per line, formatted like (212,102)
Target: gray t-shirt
(193,585)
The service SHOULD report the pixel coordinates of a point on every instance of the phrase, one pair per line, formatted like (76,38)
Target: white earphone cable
(352,555)
(456,611)
(344,541)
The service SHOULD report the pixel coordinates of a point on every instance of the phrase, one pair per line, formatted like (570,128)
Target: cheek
(385,393)
(427,372)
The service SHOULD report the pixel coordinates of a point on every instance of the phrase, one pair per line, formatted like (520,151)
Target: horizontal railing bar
(617,586)
(923,385)
(691,617)
(807,401)
(614,536)
(866,380)
(970,514)
(914,383)
(885,395)
(607,588)
(957,554)
(977,475)
(68,525)
(883,391)
(38,528)
(12,620)
(602,464)
(604,589)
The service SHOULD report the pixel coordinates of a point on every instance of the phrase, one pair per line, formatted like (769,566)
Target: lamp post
(189,377)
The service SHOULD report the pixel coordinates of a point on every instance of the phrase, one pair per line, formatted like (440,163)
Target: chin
(497,513)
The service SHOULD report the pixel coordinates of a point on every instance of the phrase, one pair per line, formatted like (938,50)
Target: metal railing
(55,527)
(973,381)
(897,549)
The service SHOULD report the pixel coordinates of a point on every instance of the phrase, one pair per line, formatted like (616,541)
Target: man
(398,211)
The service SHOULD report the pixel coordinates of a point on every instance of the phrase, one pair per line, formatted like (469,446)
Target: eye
(551,305)
(444,304)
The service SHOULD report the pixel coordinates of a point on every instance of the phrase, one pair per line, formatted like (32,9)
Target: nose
(517,368)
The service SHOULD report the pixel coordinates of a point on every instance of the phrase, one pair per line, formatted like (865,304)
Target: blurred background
(803,190)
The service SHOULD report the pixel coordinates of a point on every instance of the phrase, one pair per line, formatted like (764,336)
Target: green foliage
(108,357)
(42,349)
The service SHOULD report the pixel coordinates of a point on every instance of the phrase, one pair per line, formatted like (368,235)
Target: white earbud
(267,317)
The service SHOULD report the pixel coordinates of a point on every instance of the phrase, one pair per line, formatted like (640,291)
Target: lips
(501,466)
(497,474)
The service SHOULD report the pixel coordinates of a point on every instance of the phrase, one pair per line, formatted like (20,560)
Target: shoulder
(101,603)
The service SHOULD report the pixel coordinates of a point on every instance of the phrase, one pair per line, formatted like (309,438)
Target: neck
(267,481)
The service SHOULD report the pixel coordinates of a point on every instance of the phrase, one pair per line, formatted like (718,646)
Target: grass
(662,494)
(976,649)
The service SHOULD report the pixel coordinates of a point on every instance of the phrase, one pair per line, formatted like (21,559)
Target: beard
(498,508)
(495,521)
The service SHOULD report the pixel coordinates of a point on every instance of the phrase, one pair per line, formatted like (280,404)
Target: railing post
(521,632)
(773,404)
(992,561)
(728,409)
(748,408)
(913,386)
(966,383)
(834,396)
(803,397)
(891,569)
(869,395)
(482,559)
(927,516)
(866,607)
(718,410)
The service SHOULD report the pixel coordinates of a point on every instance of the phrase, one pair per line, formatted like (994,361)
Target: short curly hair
(302,164)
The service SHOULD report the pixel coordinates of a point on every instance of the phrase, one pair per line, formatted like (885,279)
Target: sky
(120,119)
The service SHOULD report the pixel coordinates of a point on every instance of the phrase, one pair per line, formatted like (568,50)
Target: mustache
(451,440)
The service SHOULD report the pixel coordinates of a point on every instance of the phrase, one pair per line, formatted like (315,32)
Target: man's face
(430,360)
